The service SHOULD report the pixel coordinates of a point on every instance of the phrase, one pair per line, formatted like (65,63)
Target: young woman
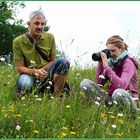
(122,72)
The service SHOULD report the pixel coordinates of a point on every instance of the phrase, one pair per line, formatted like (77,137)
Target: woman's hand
(104,59)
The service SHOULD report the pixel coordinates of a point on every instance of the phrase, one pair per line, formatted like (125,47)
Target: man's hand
(40,73)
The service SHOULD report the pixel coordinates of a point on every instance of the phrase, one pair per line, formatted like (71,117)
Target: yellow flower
(36,131)
(63,134)
(68,106)
(32,62)
(73,133)
(112,117)
(5,115)
(120,121)
(11,110)
(102,115)
(119,134)
(18,115)
(64,128)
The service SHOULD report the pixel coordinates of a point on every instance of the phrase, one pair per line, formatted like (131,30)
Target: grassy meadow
(36,116)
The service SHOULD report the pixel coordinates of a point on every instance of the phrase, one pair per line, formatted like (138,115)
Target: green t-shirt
(24,50)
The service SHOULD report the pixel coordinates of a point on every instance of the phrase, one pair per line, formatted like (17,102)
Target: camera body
(97,56)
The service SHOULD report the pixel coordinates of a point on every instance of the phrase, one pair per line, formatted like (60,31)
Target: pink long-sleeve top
(124,75)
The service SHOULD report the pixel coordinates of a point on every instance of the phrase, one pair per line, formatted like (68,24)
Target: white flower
(32,62)
(2,59)
(18,127)
(110,103)
(115,102)
(120,115)
(101,76)
(48,87)
(85,88)
(36,96)
(98,98)
(38,99)
(23,98)
(52,97)
(50,82)
(97,103)
(114,126)
(9,65)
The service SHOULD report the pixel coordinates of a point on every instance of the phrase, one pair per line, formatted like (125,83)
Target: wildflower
(119,134)
(98,98)
(102,115)
(18,127)
(67,106)
(112,117)
(50,82)
(110,103)
(9,65)
(114,126)
(5,115)
(18,115)
(120,121)
(101,76)
(48,87)
(82,94)
(32,62)
(120,115)
(29,121)
(36,131)
(2,59)
(16,122)
(52,97)
(38,99)
(97,103)
(115,102)
(72,132)
(36,96)
(23,98)
(11,110)
(85,88)
(63,134)
(77,74)
(64,128)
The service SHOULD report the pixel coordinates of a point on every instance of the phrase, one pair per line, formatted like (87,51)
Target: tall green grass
(36,116)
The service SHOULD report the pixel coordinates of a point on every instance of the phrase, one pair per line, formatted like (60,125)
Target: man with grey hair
(35,57)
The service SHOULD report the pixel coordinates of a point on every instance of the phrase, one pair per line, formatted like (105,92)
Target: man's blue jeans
(60,66)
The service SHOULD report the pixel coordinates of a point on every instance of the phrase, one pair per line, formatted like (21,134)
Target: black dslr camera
(97,56)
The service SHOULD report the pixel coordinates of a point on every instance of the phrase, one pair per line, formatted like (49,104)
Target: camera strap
(44,56)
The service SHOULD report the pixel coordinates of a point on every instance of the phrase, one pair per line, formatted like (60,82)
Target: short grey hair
(36,14)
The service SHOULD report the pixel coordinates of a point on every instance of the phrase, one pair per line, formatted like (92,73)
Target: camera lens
(96,56)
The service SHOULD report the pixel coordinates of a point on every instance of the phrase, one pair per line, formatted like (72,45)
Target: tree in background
(10,27)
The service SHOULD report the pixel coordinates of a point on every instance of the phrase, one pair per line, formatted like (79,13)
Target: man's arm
(52,59)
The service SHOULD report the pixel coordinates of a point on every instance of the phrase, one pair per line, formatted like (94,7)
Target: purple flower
(16,122)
